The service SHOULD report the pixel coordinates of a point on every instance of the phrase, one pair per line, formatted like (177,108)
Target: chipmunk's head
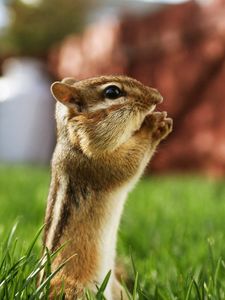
(104,92)
(124,100)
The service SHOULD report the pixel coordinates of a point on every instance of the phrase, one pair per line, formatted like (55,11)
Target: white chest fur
(107,241)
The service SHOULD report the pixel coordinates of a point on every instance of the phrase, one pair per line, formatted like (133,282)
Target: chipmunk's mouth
(156,98)
(144,115)
(152,108)
(148,113)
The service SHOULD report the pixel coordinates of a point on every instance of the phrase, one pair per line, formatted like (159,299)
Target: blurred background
(174,219)
(176,46)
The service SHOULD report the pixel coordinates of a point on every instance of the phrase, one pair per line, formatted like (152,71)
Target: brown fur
(98,151)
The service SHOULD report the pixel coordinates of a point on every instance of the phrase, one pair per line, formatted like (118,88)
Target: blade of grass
(216,278)
(189,290)
(197,289)
(30,248)
(135,287)
(42,286)
(103,286)
(126,290)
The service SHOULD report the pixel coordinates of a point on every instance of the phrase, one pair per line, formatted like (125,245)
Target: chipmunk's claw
(159,124)
(164,128)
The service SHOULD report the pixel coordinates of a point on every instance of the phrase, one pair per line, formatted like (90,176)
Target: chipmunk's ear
(67,95)
(63,92)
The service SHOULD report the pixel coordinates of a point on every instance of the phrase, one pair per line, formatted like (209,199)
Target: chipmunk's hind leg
(67,288)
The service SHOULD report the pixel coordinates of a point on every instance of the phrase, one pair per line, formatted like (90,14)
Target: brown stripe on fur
(51,199)
(64,216)
(71,198)
(71,193)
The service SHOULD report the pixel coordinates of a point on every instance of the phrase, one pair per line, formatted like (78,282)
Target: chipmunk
(107,131)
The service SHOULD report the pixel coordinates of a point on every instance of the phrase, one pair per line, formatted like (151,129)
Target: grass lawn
(174,226)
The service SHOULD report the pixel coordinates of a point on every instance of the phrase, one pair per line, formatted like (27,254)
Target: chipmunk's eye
(112,92)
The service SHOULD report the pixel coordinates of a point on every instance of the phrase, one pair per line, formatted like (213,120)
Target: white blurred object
(26,112)
(4,15)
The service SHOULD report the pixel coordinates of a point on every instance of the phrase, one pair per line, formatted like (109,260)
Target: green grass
(173,226)
(23,193)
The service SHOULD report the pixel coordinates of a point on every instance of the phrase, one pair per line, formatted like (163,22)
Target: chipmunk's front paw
(159,125)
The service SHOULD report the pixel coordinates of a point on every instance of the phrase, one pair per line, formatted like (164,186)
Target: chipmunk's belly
(114,209)
(108,237)
(109,230)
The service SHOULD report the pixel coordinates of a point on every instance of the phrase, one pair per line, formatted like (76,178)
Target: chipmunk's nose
(155,96)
